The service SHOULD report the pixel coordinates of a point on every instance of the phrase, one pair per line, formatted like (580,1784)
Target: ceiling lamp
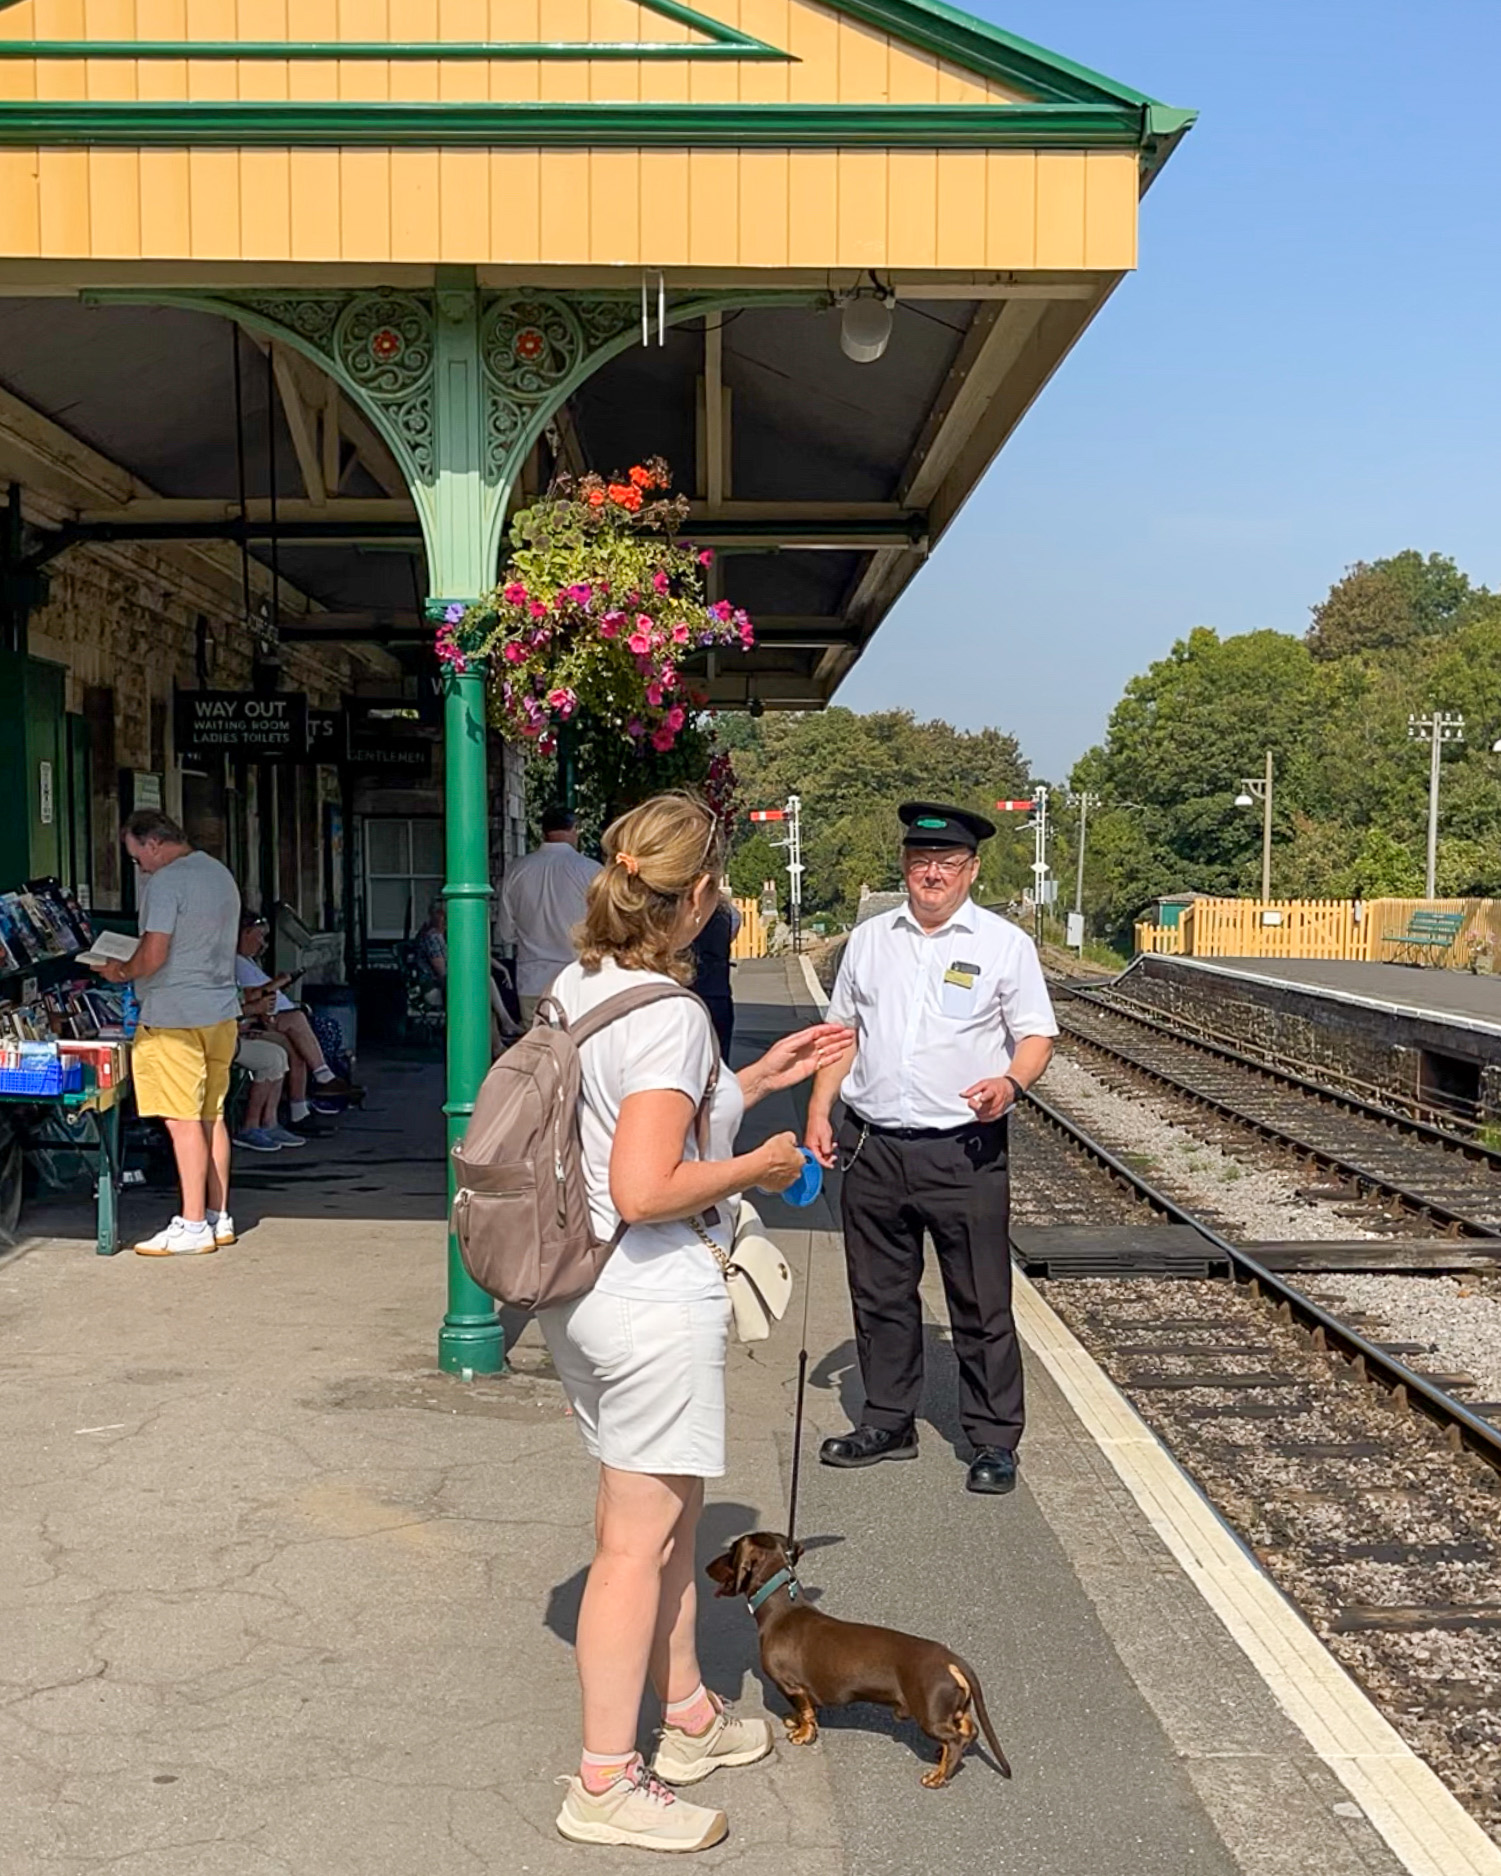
(865,327)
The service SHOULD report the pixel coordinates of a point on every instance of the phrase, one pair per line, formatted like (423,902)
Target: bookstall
(64,1052)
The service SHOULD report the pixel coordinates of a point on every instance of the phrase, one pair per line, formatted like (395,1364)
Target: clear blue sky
(1306,370)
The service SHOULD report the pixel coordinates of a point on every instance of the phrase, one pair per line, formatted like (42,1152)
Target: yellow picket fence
(1358,931)
(750,940)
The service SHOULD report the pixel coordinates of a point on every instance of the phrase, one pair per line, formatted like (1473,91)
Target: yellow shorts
(183,1074)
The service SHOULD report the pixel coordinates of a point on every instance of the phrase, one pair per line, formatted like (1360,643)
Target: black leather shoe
(993,1469)
(866,1446)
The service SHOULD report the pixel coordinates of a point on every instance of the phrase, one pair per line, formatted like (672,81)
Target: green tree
(1381,605)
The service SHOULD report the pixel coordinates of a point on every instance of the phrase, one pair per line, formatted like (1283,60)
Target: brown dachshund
(818,1661)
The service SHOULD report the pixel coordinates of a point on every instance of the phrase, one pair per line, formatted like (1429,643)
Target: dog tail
(983,1716)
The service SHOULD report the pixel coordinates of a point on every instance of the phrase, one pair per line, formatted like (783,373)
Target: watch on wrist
(1017,1090)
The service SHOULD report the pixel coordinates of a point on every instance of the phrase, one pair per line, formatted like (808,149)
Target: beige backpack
(521,1210)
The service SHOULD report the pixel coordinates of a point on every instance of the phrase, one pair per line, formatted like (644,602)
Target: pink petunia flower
(640,643)
(659,581)
(680,634)
(662,740)
(564,701)
(676,717)
(538,608)
(722,610)
(706,557)
(581,592)
(514,593)
(654,695)
(609,625)
(512,652)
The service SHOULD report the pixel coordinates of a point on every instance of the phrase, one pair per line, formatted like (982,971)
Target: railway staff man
(952,1022)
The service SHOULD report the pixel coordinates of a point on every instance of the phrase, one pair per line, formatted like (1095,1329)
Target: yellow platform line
(1422,1822)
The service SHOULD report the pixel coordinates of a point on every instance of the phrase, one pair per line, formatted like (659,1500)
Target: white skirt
(645,1380)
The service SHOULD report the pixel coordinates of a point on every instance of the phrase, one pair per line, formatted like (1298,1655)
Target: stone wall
(1347,1044)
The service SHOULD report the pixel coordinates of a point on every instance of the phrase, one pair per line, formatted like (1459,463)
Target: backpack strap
(626,1003)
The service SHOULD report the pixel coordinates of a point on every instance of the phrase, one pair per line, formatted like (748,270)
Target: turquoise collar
(784,1579)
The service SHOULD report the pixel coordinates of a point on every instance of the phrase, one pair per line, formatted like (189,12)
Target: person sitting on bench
(291,1023)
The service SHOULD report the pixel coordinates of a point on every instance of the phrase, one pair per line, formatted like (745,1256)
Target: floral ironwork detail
(384,341)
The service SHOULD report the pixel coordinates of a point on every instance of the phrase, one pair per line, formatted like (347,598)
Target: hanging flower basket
(601,605)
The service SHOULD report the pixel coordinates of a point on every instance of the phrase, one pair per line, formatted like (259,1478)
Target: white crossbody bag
(755,1272)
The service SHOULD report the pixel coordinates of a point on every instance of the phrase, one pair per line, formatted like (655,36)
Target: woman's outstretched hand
(803,1053)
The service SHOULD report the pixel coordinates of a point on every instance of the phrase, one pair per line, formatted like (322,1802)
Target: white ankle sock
(323,1074)
(300,1110)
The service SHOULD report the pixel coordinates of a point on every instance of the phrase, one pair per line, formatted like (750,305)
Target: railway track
(1319,1444)
(1451,1178)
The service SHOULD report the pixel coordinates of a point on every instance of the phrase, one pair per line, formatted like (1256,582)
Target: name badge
(962,974)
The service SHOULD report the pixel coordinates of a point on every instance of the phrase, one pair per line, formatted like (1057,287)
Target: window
(403,874)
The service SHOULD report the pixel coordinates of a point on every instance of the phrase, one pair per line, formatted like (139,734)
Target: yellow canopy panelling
(731,205)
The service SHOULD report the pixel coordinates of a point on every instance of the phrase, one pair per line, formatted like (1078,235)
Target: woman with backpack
(642,1354)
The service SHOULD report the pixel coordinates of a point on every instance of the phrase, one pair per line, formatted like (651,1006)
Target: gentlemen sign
(247,723)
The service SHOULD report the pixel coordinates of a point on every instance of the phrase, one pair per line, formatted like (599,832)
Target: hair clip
(629,861)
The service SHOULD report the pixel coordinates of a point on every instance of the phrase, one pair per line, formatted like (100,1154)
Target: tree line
(1396,637)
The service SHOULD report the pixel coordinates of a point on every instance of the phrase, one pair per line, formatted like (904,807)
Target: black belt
(921,1133)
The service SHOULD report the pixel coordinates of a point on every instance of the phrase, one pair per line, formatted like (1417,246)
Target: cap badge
(930,820)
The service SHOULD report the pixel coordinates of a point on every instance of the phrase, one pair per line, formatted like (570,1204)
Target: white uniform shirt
(935,1012)
(541,900)
(668,1045)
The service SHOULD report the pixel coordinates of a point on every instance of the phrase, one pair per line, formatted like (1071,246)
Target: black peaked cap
(932,824)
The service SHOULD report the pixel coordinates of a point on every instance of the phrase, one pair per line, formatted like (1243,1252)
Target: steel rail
(1156,1024)
(1463,1427)
(1363,1175)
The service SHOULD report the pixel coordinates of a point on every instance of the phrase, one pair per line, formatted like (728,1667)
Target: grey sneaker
(639,1811)
(284,1137)
(684,1758)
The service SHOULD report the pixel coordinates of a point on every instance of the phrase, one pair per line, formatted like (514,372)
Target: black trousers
(956,1188)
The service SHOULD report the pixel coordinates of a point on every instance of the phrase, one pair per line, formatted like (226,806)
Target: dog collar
(784,1579)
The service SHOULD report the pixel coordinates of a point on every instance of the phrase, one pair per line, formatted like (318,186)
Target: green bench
(1427,934)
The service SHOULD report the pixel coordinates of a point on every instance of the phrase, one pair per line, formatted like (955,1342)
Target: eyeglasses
(949,864)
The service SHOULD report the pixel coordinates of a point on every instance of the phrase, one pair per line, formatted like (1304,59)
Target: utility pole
(1435,729)
(1259,788)
(1086,802)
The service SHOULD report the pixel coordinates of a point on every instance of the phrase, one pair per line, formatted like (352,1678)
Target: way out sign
(241,722)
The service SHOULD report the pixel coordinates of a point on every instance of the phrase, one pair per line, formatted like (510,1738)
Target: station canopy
(665,222)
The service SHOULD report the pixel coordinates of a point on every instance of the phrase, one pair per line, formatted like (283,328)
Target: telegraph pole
(1259,788)
(1086,802)
(1435,729)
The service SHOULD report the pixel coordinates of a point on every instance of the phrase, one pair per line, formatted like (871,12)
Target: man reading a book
(184,972)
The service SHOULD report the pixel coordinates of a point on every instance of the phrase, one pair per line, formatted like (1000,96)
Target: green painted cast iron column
(471,1339)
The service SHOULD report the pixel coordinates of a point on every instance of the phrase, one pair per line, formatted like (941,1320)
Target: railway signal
(1016,807)
(792,814)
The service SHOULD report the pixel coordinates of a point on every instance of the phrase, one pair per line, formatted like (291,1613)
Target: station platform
(1441,996)
(281,1598)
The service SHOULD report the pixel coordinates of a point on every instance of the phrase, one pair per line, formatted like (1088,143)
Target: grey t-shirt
(196,902)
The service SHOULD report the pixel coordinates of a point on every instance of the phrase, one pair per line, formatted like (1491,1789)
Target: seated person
(430,949)
(289,1022)
(264,1058)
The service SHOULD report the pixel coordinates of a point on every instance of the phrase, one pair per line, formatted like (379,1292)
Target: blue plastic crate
(57,1078)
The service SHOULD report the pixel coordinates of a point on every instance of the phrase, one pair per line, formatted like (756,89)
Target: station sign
(243,723)
(387,736)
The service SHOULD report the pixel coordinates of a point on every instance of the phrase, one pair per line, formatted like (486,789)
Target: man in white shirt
(952,1022)
(541,900)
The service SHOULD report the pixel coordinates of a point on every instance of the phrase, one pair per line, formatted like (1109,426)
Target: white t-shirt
(669,1045)
(541,900)
(250,976)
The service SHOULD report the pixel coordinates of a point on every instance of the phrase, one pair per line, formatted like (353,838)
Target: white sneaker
(684,1758)
(180,1239)
(223,1228)
(640,1811)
